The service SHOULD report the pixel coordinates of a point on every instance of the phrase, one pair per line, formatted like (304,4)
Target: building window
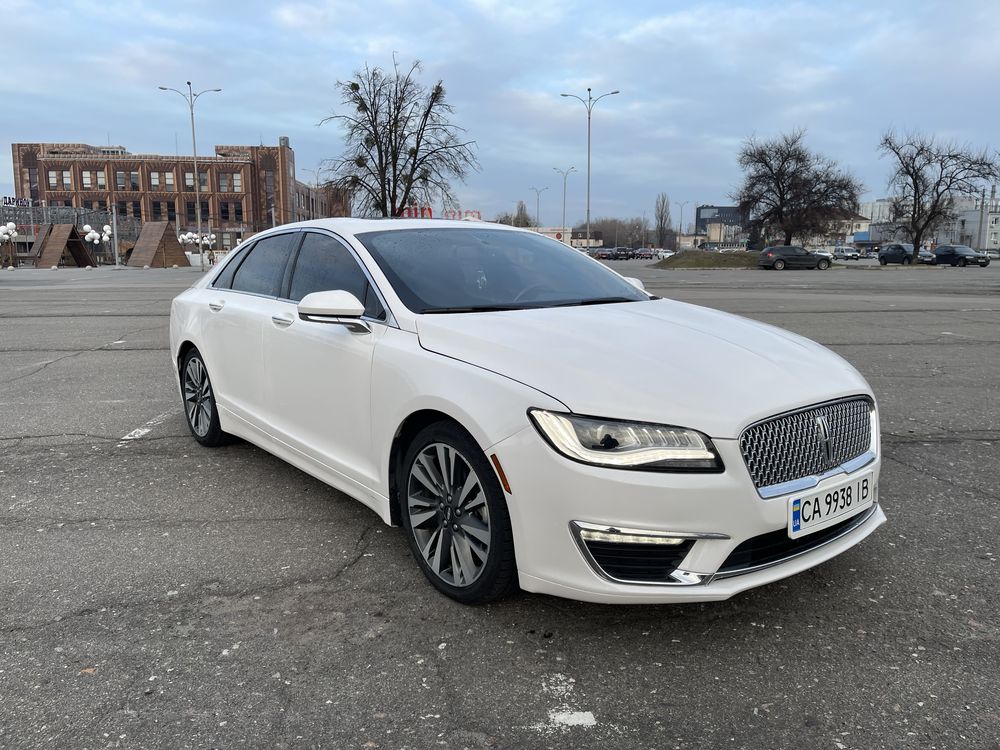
(203,181)
(224,210)
(237,182)
(189,205)
(171,211)
(134,181)
(101,181)
(269,186)
(154,181)
(33,183)
(137,209)
(189,182)
(204,211)
(238,211)
(157,210)
(227,241)
(87,175)
(67,180)
(122,208)
(120,180)
(224,182)
(168,181)
(53,179)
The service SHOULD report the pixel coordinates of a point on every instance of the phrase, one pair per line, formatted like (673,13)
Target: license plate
(819,509)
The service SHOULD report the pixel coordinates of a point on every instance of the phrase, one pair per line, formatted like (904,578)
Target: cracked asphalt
(158,594)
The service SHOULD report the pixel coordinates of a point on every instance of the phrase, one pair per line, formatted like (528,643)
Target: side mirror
(337,307)
(635,282)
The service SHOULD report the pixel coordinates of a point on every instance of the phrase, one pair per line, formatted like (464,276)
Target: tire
(823,264)
(779,265)
(906,261)
(479,564)
(200,411)
(882,261)
(961,263)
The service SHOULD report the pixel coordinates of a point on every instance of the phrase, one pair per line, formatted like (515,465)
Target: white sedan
(528,416)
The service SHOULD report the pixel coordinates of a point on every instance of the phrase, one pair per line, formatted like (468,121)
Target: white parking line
(138,432)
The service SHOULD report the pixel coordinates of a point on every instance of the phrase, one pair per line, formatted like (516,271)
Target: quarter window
(323,264)
(262,271)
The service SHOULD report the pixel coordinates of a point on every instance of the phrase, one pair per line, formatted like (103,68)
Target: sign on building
(418,212)
(9,200)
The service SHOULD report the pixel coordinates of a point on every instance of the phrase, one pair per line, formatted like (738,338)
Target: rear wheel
(823,264)
(779,265)
(882,261)
(961,262)
(455,516)
(199,402)
(907,261)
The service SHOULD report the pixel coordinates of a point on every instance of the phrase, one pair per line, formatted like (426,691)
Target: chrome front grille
(807,442)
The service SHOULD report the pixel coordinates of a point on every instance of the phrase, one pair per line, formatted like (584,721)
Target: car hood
(657,361)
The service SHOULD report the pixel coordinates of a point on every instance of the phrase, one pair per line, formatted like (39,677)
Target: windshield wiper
(478,308)
(595,301)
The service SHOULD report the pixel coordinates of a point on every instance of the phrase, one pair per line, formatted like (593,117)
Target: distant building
(244,189)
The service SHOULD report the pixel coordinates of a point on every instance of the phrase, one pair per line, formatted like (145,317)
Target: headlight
(627,445)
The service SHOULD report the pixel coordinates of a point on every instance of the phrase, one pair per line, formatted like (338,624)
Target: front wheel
(455,516)
(199,402)
(907,261)
(779,265)
(882,261)
(961,263)
(823,264)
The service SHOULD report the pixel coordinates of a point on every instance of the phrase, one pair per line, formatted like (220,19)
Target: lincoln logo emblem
(823,429)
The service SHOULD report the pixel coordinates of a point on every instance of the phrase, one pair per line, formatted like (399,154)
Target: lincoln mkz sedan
(528,416)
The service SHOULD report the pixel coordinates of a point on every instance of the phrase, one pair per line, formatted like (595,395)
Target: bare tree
(927,179)
(520,218)
(661,218)
(787,187)
(400,145)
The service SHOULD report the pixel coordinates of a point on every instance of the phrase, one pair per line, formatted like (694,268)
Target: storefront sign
(17,202)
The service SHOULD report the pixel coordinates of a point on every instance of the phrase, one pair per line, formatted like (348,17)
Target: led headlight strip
(626,445)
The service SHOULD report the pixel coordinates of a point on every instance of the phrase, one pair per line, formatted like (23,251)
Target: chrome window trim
(858,521)
(678,577)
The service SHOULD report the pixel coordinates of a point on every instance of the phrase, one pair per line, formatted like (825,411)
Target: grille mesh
(791,446)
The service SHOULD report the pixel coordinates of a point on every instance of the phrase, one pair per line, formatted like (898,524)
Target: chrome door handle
(216,306)
(282,321)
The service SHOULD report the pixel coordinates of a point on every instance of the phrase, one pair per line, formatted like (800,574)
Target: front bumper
(552,498)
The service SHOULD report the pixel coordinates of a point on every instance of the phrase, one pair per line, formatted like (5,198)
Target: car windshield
(452,270)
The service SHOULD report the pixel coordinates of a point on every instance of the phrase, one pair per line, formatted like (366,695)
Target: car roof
(352,225)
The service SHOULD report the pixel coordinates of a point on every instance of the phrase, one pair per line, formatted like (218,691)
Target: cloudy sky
(696,78)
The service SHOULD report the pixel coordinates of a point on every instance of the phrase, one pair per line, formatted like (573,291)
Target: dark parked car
(925,256)
(896,252)
(644,253)
(959,255)
(791,256)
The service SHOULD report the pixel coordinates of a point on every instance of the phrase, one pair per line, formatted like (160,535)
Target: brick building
(244,189)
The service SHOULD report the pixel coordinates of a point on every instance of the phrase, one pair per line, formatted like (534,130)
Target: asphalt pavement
(158,594)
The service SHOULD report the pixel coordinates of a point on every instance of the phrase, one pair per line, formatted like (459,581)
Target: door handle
(282,321)
(216,306)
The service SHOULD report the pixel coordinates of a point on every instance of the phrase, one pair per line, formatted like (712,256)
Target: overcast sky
(696,79)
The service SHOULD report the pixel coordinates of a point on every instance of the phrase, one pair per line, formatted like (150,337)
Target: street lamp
(589,104)
(97,237)
(680,224)
(190,97)
(8,233)
(565,174)
(192,238)
(538,200)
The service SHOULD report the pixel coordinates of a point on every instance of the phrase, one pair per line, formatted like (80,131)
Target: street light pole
(565,175)
(538,201)
(190,97)
(589,104)
(680,224)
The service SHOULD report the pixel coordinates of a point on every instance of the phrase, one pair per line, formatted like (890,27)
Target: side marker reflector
(503,477)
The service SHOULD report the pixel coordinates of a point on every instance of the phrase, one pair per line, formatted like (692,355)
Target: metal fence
(33,217)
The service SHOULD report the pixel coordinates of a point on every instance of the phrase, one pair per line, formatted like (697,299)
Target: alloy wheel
(448,513)
(198,396)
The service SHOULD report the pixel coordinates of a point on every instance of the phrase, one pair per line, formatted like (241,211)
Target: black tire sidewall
(779,265)
(499,577)
(215,436)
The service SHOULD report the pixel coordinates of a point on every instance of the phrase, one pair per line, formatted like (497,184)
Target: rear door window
(263,269)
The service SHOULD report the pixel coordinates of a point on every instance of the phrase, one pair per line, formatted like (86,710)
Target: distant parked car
(926,257)
(959,255)
(661,254)
(780,257)
(644,253)
(846,253)
(603,254)
(896,252)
